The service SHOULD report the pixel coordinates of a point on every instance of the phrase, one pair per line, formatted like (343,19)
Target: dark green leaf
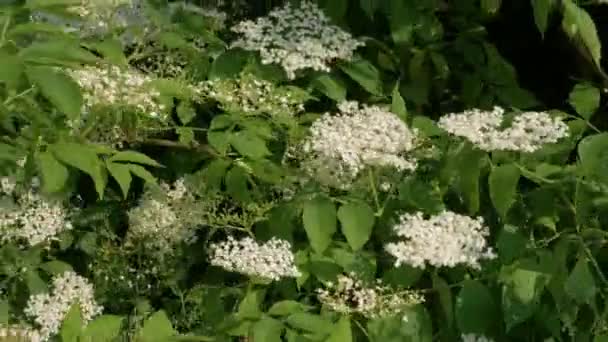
(111,49)
(398,104)
(57,87)
(134,157)
(319,217)
(84,159)
(475,309)
(542,10)
(593,154)
(357,221)
(54,174)
(580,285)
(309,322)
(364,73)
(228,64)
(122,174)
(369,7)
(142,173)
(331,86)
(286,307)
(445,299)
(578,24)
(56,267)
(503,182)
(585,98)
(236,184)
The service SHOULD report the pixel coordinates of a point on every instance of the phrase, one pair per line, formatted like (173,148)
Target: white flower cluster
(341,146)
(350,295)
(251,95)
(272,260)
(19,334)
(113,86)
(444,240)
(528,132)
(166,218)
(296,38)
(32,219)
(475,338)
(49,310)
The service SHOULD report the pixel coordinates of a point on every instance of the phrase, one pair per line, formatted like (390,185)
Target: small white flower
(33,219)
(296,38)
(49,309)
(341,146)
(528,132)
(272,260)
(350,295)
(444,240)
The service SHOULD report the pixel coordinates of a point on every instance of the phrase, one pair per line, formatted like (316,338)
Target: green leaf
(215,172)
(398,104)
(111,49)
(412,325)
(310,322)
(228,65)
(185,112)
(54,174)
(342,331)
(319,217)
(475,308)
(71,327)
(249,307)
(122,174)
(267,329)
(104,328)
(503,182)
(84,159)
(4,312)
(357,221)
(585,98)
(142,173)
(491,6)
(133,157)
(56,267)
(578,24)
(57,87)
(426,126)
(542,9)
(34,4)
(445,299)
(402,20)
(11,70)
(219,140)
(331,86)
(522,290)
(364,73)
(236,184)
(369,7)
(593,155)
(580,285)
(286,307)
(35,284)
(249,144)
(157,328)
(57,52)
(468,169)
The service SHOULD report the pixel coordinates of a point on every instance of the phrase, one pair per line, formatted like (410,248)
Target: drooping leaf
(364,73)
(319,217)
(342,331)
(133,157)
(356,221)
(57,87)
(142,173)
(122,174)
(84,159)
(585,98)
(398,104)
(503,187)
(593,155)
(331,86)
(71,327)
(542,9)
(54,174)
(580,285)
(578,24)
(267,329)
(104,328)
(157,328)
(475,308)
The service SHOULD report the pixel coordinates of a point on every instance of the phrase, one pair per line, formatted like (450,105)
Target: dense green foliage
(202,115)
